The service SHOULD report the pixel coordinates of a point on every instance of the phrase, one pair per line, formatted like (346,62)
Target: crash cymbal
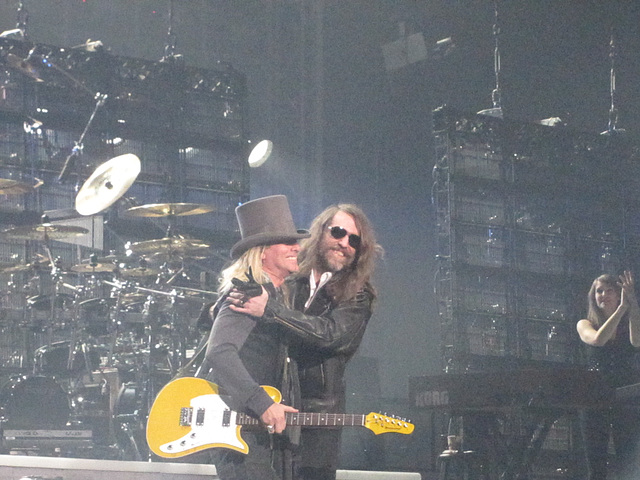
(107,184)
(14,187)
(94,268)
(44,231)
(169,245)
(169,210)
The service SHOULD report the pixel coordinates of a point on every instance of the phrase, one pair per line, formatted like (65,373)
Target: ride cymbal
(169,245)
(107,184)
(169,210)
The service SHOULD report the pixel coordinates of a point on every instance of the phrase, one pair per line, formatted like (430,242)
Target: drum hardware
(77,149)
(191,293)
(108,183)
(130,420)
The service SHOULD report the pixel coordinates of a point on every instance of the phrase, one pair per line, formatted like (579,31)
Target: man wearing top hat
(242,354)
(327,306)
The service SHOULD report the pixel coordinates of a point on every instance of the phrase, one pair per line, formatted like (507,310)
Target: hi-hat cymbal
(44,231)
(169,210)
(107,184)
(169,245)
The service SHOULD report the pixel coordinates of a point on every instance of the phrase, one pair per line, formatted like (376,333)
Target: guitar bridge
(186,415)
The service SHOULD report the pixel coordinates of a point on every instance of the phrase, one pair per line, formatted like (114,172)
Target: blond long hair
(252,258)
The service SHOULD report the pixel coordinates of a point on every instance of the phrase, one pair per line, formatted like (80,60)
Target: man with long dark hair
(328,304)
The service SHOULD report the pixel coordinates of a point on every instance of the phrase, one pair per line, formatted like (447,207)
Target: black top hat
(265,221)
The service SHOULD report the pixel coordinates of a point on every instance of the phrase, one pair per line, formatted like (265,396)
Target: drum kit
(97,340)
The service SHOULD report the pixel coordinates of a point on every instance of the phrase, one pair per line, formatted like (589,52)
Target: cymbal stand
(56,270)
(78,147)
(77,336)
(177,351)
(115,317)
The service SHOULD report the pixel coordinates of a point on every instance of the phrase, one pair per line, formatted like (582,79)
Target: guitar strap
(290,439)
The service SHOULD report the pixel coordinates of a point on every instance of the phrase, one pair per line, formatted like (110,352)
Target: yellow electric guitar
(189,416)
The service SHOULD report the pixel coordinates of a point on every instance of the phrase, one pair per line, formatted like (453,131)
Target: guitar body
(189,416)
(171,435)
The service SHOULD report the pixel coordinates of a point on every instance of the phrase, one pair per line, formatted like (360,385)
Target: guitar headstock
(379,423)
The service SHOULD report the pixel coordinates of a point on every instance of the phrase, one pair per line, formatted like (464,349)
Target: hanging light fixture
(260,153)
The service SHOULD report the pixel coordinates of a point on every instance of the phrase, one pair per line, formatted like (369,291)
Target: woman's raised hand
(628,295)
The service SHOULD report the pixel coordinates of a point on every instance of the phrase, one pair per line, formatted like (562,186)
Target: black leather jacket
(325,336)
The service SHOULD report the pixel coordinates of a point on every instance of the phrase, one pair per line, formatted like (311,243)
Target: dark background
(348,129)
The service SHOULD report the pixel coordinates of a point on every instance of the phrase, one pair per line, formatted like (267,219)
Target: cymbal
(95,268)
(107,184)
(168,245)
(16,268)
(169,210)
(14,187)
(40,261)
(44,231)
(138,272)
(23,66)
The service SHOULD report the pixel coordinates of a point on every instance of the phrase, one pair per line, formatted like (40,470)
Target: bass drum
(34,402)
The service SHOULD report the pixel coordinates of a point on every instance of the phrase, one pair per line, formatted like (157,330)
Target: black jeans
(261,463)
(623,424)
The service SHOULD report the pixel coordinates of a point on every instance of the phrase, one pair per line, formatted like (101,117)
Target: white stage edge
(16,467)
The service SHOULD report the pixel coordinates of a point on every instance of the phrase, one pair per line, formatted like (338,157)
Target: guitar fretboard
(311,419)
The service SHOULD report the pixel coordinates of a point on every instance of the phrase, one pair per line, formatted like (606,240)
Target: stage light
(260,153)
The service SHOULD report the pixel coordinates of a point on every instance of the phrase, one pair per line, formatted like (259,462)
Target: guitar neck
(311,419)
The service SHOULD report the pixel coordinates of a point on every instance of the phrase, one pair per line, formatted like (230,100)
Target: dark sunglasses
(339,232)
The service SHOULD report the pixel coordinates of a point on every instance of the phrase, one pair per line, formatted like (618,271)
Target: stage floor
(16,467)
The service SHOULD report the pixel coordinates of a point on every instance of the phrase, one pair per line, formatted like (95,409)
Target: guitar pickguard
(216,429)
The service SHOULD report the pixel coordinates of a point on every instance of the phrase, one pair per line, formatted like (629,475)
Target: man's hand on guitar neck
(275,416)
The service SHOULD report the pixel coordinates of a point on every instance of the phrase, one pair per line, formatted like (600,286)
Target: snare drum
(34,402)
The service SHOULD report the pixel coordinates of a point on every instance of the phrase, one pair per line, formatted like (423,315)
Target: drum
(54,359)
(129,403)
(95,315)
(34,402)
(129,416)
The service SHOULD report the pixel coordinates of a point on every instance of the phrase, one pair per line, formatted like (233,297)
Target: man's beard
(330,263)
